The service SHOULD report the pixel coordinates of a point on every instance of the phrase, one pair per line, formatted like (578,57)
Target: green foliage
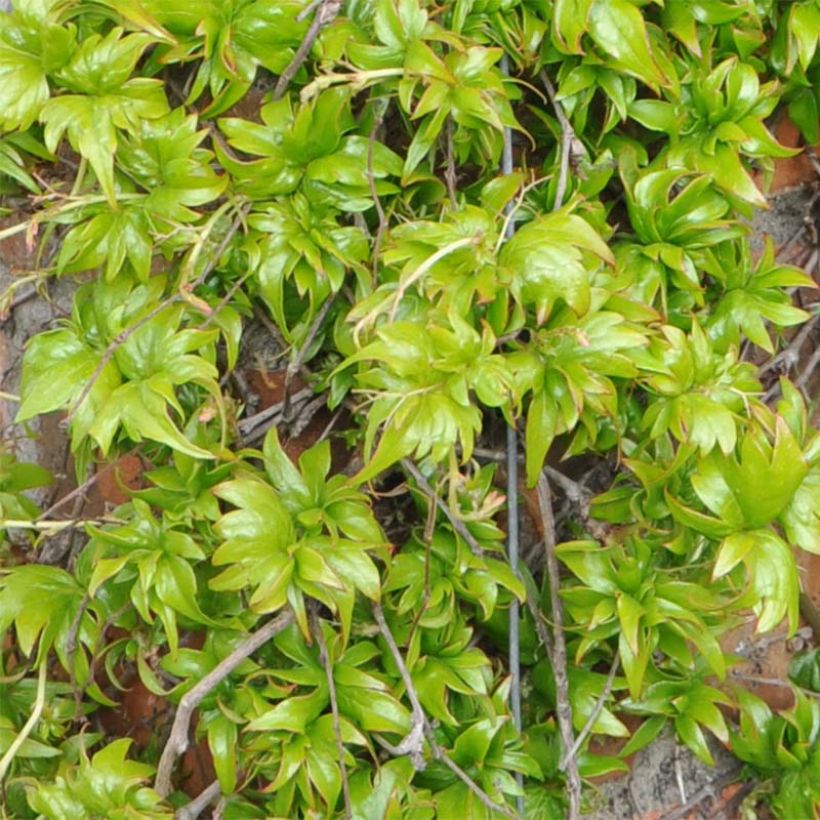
(603,297)
(783,749)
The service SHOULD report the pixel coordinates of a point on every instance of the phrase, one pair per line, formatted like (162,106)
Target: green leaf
(569,22)
(801,519)
(222,741)
(542,424)
(618,29)
(732,551)
(804,670)
(630,613)
(551,258)
(690,733)
(644,735)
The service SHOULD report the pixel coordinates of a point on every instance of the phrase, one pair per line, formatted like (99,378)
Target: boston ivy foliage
(602,297)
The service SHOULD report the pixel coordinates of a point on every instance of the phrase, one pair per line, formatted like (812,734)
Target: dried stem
(28,728)
(178,739)
(450,169)
(593,716)
(810,614)
(192,810)
(709,790)
(790,354)
(421,728)
(459,526)
(371,182)
(297,364)
(570,144)
(73,631)
(325,14)
(324,659)
(809,369)
(559,650)
(77,491)
(255,426)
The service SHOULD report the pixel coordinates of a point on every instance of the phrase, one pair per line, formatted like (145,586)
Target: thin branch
(28,728)
(308,410)
(52,527)
(71,640)
(192,810)
(512,555)
(563,708)
(809,369)
(126,334)
(413,743)
(570,144)
(324,659)
(326,13)
(458,525)
(709,790)
(297,364)
(472,785)
(178,739)
(810,614)
(77,491)
(593,715)
(421,728)
(450,169)
(371,182)
(251,427)
(790,354)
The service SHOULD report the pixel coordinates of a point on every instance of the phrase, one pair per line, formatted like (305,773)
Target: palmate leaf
(269,552)
(568,366)
(233,38)
(109,784)
(754,490)
(135,389)
(104,101)
(41,602)
(91,123)
(773,574)
(549,260)
(33,44)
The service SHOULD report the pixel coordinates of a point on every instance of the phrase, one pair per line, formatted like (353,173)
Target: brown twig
(71,645)
(192,810)
(790,354)
(450,169)
(126,334)
(371,182)
(76,492)
(325,14)
(178,740)
(593,716)
(324,659)
(709,790)
(255,426)
(413,743)
(809,369)
(570,144)
(297,364)
(810,614)
(563,709)
(459,526)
